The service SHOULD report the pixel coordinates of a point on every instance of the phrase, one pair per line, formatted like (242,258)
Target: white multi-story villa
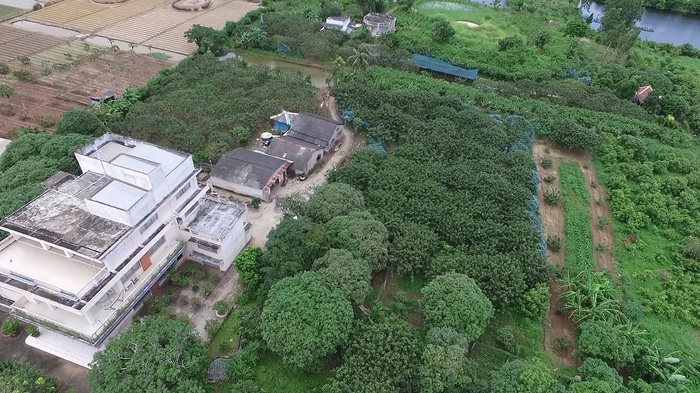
(82,256)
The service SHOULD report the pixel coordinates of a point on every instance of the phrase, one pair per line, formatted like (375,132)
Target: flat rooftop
(50,267)
(215,217)
(60,216)
(136,155)
(120,195)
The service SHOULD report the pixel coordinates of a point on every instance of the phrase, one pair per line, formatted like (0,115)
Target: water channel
(669,27)
(317,74)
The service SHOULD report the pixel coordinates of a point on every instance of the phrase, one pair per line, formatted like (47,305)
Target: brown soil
(559,324)
(556,324)
(41,103)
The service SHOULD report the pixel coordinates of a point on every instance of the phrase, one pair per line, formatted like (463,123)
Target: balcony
(110,310)
(48,272)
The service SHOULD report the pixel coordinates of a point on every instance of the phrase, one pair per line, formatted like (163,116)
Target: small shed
(283,121)
(304,156)
(642,93)
(250,173)
(444,69)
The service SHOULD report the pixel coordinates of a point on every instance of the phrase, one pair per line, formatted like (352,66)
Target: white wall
(237,188)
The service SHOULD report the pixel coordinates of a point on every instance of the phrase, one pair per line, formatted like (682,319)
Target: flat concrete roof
(120,195)
(60,216)
(50,267)
(215,217)
(141,157)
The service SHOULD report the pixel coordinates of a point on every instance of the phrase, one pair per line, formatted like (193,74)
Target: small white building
(379,24)
(340,23)
(82,256)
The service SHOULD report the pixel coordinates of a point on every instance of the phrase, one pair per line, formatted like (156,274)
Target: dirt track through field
(558,324)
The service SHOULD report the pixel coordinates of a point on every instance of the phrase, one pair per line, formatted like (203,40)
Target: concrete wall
(229,247)
(116,255)
(337,133)
(238,188)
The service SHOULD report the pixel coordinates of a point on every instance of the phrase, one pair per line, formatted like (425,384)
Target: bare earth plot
(153,23)
(67,75)
(15,42)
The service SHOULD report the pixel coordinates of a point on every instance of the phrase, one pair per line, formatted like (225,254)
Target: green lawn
(577,218)
(7,12)
(273,376)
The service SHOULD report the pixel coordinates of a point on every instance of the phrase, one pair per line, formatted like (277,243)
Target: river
(669,27)
(317,75)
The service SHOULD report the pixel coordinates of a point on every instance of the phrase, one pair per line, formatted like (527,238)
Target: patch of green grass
(412,285)
(161,56)
(273,376)
(7,12)
(577,217)
(229,332)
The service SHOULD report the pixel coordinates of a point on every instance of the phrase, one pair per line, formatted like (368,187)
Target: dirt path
(556,324)
(553,222)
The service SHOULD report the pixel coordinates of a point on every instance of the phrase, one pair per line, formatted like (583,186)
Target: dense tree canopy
(304,321)
(20,377)
(520,376)
(341,271)
(292,246)
(80,121)
(361,234)
(209,107)
(332,200)
(155,355)
(383,356)
(444,362)
(454,301)
(412,249)
(603,340)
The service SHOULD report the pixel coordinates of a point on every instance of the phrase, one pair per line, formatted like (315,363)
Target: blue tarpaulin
(437,65)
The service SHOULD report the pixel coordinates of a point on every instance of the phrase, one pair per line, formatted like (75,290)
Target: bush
(221,307)
(535,302)
(7,110)
(37,7)
(180,279)
(554,243)
(506,340)
(510,42)
(552,196)
(212,327)
(10,327)
(4,68)
(550,179)
(33,331)
(562,343)
(196,303)
(546,162)
(6,91)
(207,288)
(45,121)
(256,202)
(24,60)
(24,75)
(80,121)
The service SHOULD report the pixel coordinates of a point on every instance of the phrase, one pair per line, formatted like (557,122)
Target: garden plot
(16,43)
(65,77)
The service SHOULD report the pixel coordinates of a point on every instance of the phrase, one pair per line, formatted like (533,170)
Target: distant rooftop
(374,17)
(313,129)
(443,67)
(285,117)
(60,216)
(215,218)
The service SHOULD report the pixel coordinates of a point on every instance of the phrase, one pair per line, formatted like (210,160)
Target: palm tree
(361,57)
(338,71)
(591,295)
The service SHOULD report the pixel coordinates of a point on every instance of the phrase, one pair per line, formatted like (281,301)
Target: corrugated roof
(249,168)
(437,65)
(313,129)
(296,151)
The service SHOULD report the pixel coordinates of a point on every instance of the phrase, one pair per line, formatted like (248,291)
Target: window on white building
(156,246)
(130,273)
(183,190)
(148,223)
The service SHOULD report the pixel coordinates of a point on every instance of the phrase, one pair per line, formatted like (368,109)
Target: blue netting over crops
(282,48)
(524,144)
(377,146)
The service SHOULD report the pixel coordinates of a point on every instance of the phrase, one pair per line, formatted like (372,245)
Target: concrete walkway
(268,216)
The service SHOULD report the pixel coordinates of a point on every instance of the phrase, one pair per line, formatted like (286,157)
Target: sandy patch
(585,40)
(468,24)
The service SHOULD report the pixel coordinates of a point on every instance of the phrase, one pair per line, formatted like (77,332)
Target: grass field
(577,216)
(7,12)
(273,376)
